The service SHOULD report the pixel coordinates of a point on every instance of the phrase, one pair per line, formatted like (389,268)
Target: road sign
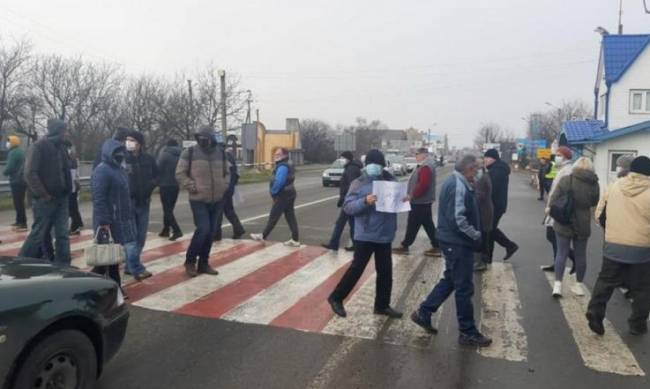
(544,153)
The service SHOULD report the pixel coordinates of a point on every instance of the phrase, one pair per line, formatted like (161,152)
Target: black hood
(173,150)
(356,163)
(500,165)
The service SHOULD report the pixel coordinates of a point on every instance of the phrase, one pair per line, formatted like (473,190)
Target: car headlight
(325,174)
(119,301)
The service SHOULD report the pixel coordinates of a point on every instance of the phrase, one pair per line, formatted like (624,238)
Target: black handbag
(563,207)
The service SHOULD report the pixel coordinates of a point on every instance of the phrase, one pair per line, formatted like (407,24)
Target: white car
(411,164)
(397,165)
(333,174)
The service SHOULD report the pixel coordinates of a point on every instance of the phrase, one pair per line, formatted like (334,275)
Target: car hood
(17,269)
(332,170)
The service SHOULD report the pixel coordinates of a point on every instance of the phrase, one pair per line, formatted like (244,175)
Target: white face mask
(8,145)
(130,145)
(619,169)
(559,159)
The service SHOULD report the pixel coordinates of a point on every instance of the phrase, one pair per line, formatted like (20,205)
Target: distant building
(259,143)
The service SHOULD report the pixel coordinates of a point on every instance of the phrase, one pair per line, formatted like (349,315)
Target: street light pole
(224,124)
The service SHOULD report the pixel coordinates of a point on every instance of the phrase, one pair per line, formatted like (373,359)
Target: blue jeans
(205,220)
(338,229)
(134,249)
(48,215)
(458,277)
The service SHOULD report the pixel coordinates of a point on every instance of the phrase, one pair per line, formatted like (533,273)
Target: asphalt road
(542,341)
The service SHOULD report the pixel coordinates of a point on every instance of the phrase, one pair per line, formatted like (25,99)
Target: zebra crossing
(267,283)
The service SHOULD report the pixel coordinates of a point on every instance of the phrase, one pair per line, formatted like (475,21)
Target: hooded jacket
(15,162)
(204,173)
(167,161)
(584,186)
(370,225)
(47,168)
(111,199)
(143,176)
(351,171)
(500,176)
(627,229)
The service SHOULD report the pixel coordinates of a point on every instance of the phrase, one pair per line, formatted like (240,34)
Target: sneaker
(578,289)
(292,243)
(423,323)
(257,237)
(143,275)
(434,252)
(510,251)
(480,266)
(474,340)
(557,289)
(595,325)
(401,250)
(549,268)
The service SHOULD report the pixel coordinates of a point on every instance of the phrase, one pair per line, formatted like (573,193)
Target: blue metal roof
(620,52)
(639,127)
(579,131)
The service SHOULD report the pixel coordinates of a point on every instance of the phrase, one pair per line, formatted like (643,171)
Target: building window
(640,101)
(615,155)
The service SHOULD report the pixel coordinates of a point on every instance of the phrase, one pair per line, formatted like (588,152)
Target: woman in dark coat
(483,189)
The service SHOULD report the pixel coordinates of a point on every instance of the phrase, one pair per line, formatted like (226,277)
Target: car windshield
(338,164)
(410,160)
(396,159)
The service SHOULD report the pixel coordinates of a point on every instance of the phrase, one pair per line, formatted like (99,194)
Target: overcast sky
(408,63)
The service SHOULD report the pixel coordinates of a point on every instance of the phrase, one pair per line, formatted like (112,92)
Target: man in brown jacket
(204,172)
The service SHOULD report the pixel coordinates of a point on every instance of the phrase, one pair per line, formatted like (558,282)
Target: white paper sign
(390,196)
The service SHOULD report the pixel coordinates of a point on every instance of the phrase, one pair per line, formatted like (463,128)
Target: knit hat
(13,140)
(422,150)
(375,156)
(492,153)
(625,161)
(641,165)
(172,142)
(121,134)
(55,127)
(565,152)
(138,136)
(347,155)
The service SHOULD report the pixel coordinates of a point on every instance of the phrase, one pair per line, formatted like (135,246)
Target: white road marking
(501,314)
(266,215)
(272,301)
(188,291)
(605,353)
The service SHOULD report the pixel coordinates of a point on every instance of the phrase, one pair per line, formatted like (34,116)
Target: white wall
(636,77)
(639,143)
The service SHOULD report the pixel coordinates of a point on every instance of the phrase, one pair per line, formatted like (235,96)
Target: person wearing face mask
(203,170)
(112,206)
(283,193)
(169,189)
(459,234)
(351,171)
(143,179)
(47,174)
(120,136)
(14,170)
(76,222)
(374,232)
(483,189)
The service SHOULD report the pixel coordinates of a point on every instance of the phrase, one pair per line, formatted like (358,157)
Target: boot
(176,235)
(205,268)
(190,269)
(164,233)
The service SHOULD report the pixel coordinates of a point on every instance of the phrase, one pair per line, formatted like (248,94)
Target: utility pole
(188,134)
(224,125)
(248,111)
(620,17)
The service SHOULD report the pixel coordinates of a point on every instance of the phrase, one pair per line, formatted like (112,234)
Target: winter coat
(204,173)
(351,171)
(143,176)
(458,214)
(15,164)
(483,188)
(428,196)
(47,169)
(499,174)
(369,224)
(627,229)
(584,186)
(561,170)
(167,161)
(282,181)
(111,198)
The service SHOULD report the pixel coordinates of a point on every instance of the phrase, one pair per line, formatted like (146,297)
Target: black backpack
(563,207)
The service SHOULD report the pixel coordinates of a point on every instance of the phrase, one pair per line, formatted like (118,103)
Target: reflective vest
(552,173)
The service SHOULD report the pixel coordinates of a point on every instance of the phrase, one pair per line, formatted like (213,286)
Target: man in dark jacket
(14,170)
(459,234)
(228,208)
(351,171)
(143,179)
(120,136)
(421,194)
(499,175)
(544,168)
(47,174)
(167,161)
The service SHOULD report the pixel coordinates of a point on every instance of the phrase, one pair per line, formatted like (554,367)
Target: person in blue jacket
(374,232)
(459,234)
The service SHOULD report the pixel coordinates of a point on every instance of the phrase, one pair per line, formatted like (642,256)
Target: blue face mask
(374,169)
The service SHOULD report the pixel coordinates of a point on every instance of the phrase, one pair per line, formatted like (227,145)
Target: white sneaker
(292,243)
(557,289)
(578,289)
(257,237)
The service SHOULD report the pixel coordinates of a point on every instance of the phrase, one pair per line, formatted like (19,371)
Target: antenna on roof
(620,17)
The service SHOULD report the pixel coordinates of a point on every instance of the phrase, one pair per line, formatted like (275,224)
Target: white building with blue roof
(621,123)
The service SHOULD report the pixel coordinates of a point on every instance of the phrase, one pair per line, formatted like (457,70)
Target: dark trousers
(73,209)
(542,186)
(283,204)
(485,246)
(168,198)
(614,274)
(498,236)
(205,220)
(421,215)
(48,215)
(18,196)
(341,221)
(550,237)
(458,277)
(383,264)
(228,210)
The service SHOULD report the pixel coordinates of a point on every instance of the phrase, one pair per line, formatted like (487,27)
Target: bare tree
(209,98)
(488,133)
(317,141)
(15,68)
(548,125)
